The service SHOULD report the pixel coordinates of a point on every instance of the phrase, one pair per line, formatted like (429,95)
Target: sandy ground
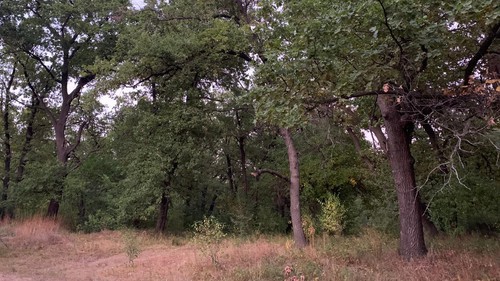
(99,257)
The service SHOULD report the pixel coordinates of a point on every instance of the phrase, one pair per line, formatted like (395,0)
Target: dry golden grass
(53,254)
(35,232)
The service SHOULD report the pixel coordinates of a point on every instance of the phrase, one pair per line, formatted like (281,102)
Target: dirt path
(99,257)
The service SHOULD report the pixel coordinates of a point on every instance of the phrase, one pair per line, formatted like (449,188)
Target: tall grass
(369,256)
(34,232)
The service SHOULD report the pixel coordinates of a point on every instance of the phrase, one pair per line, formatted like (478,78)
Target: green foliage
(98,222)
(42,181)
(131,245)
(208,235)
(332,215)
(241,218)
(183,129)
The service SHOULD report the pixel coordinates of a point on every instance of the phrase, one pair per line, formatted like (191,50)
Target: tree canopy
(272,116)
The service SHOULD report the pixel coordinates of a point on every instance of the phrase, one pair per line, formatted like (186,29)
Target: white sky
(137,3)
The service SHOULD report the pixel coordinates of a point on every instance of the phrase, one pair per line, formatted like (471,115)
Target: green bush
(208,235)
(97,222)
(332,215)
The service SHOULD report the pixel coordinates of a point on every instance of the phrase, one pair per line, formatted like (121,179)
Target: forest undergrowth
(40,249)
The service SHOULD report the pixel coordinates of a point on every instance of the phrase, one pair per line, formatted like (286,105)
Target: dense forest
(297,117)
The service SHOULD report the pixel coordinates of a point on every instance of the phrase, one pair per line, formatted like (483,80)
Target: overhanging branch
(258,172)
(483,49)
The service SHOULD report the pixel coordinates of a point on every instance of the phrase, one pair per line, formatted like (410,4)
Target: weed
(208,235)
(131,245)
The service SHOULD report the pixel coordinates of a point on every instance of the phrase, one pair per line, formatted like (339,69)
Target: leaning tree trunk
(298,232)
(398,131)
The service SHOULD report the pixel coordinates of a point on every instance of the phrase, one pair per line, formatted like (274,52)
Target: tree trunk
(298,232)
(211,208)
(81,209)
(230,175)
(53,208)
(243,158)
(412,243)
(4,211)
(27,139)
(429,227)
(161,221)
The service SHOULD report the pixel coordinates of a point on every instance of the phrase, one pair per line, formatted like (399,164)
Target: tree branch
(42,103)
(49,71)
(258,172)
(78,139)
(391,32)
(81,83)
(483,48)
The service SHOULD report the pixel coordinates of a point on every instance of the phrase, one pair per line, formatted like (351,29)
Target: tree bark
(5,211)
(298,232)
(161,221)
(399,132)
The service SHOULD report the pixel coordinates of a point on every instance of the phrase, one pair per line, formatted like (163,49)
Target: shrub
(332,215)
(131,245)
(208,234)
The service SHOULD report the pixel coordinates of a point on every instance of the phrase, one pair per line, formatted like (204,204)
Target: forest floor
(41,250)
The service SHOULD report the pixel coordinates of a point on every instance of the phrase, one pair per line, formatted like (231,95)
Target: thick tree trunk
(161,221)
(298,232)
(412,243)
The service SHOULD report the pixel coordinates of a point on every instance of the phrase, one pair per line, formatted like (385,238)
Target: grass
(39,249)
(33,233)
